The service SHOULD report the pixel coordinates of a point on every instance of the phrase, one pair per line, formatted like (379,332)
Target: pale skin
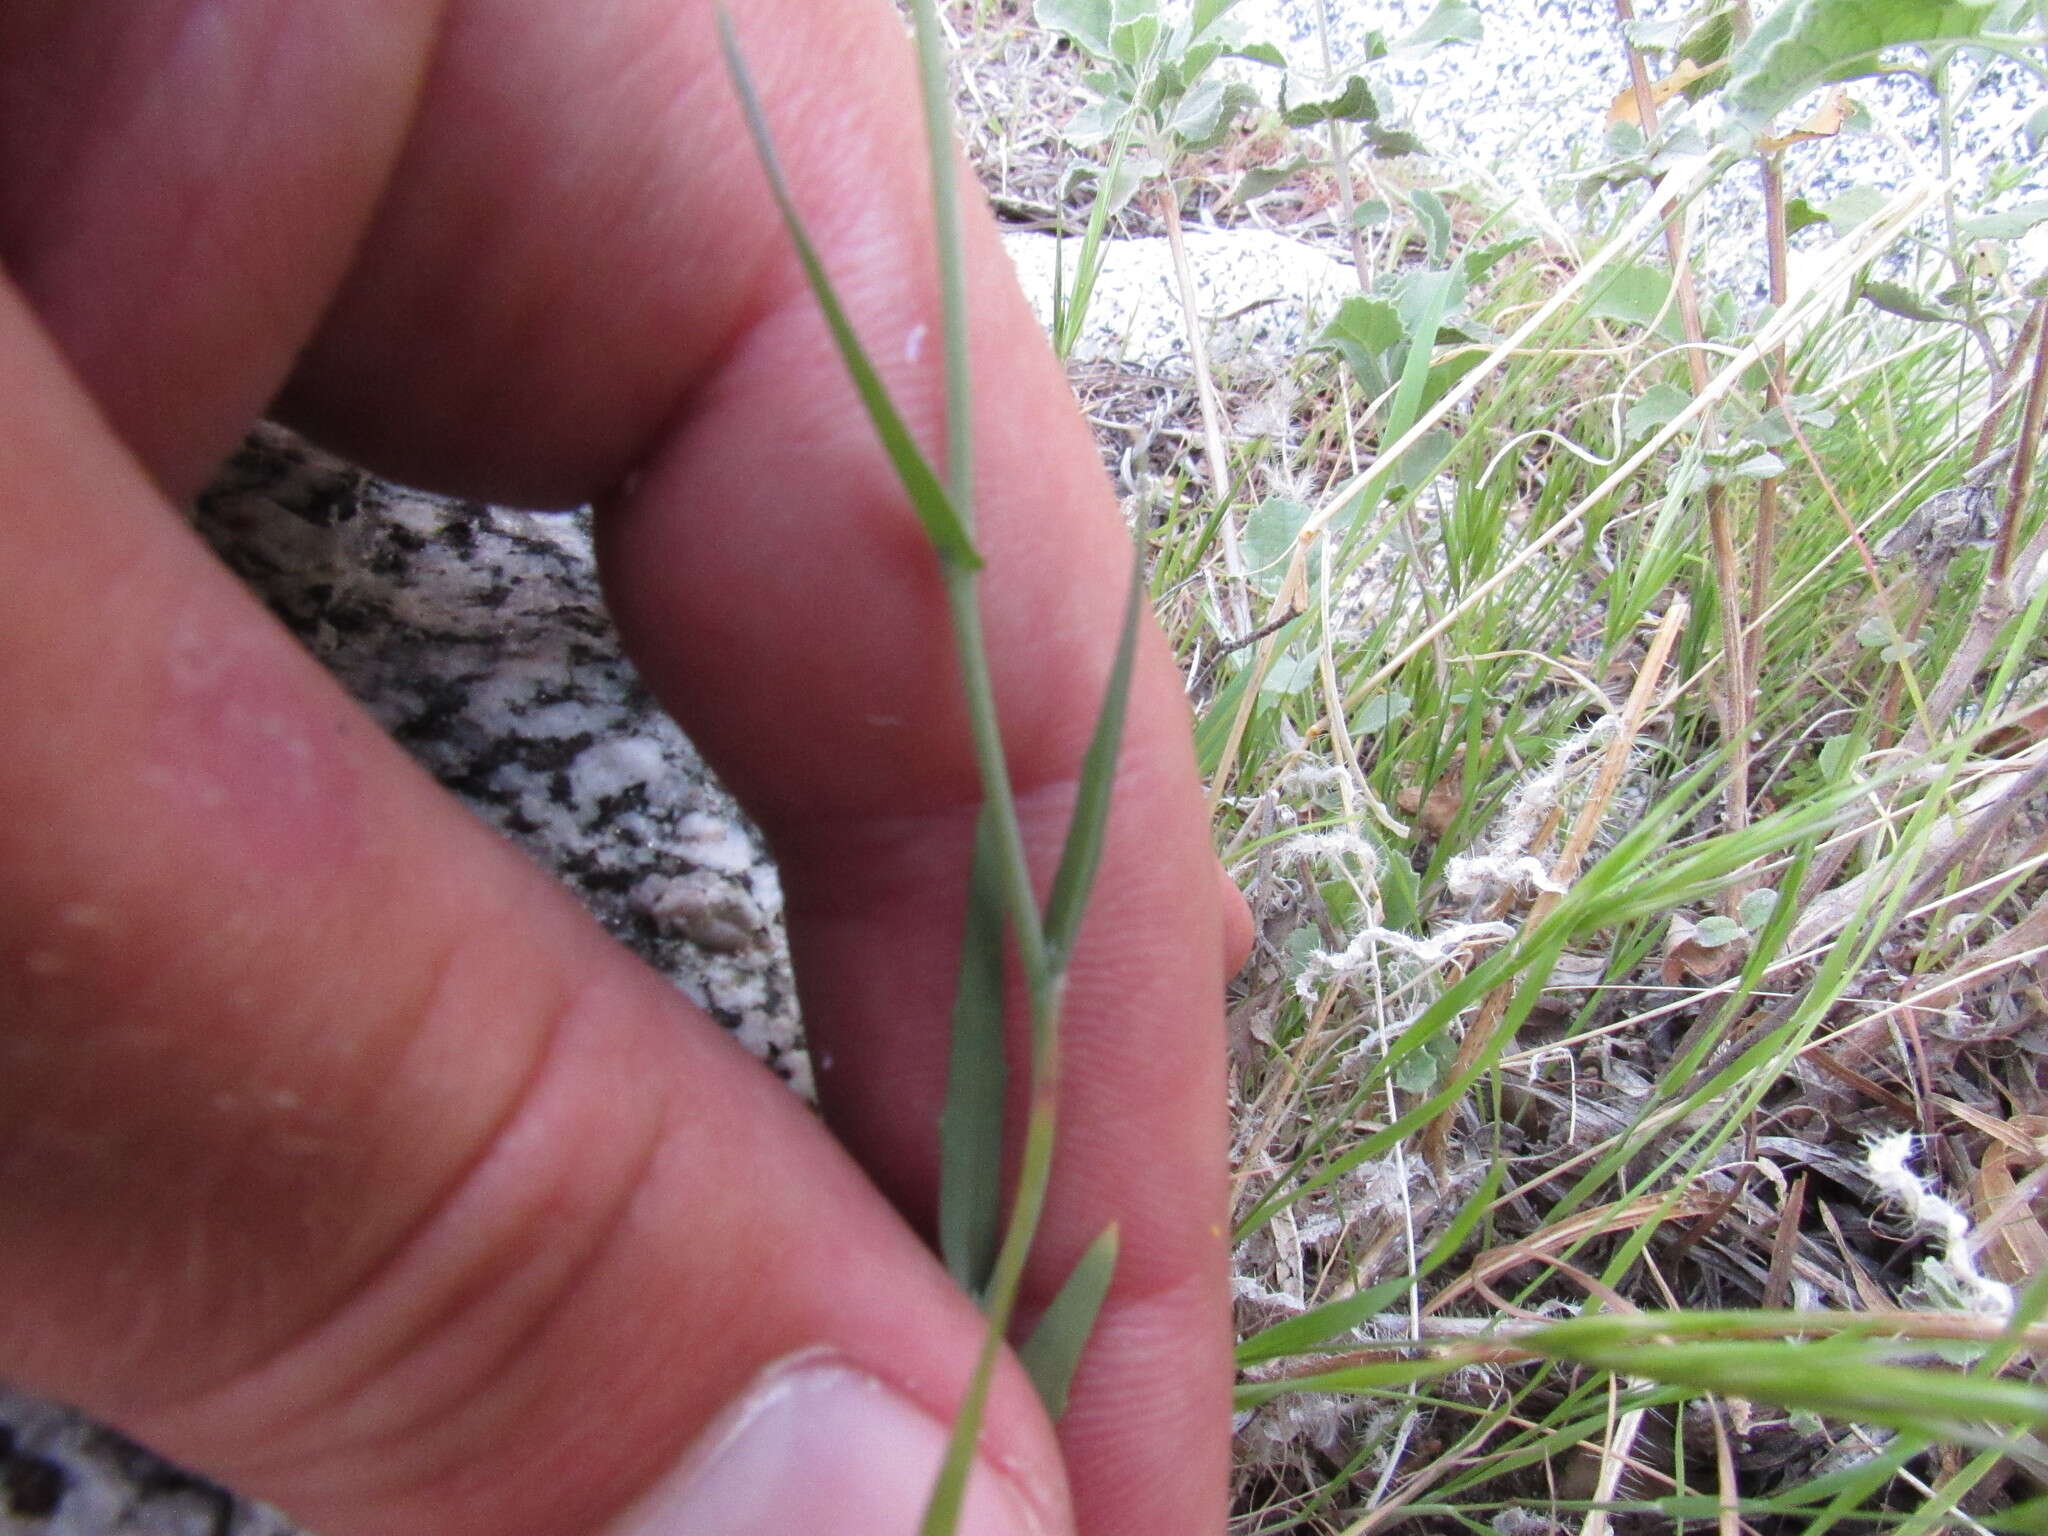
(340,1154)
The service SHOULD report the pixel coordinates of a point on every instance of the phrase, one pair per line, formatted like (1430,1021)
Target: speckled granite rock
(61,1475)
(474,634)
(476,637)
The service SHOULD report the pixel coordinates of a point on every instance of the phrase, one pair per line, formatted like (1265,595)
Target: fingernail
(817,1446)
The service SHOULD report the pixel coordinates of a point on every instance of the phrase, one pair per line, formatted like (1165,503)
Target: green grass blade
(971,1124)
(1853,1384)
(938,134)
(1073,314)
(1421,352)
(934,508)
(1054,1348)
(1297,1335)
(1082,855)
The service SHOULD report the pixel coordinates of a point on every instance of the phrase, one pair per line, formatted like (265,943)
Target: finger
(182,187)
(341,1156)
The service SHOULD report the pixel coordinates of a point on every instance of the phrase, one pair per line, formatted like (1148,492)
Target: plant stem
(1763,548)
(938,134)
(1340,164)
(942,1512)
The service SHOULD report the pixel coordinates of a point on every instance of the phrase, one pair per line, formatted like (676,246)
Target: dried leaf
(2008,1224)
(1825,123)
(1693,952)
(1436,811)
(1623,109)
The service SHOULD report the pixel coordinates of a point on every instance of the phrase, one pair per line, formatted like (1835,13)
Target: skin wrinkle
(386,1320)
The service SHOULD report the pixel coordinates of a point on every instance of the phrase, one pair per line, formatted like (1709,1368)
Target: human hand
(339,1154)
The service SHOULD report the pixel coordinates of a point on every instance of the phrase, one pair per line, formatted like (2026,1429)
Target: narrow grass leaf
(1846,1381)
(971,1124)
(1054,1348)
(1297,1335)
(1380,1376)
(928,498)
(1434,296)
(1082,855)
(1073,315)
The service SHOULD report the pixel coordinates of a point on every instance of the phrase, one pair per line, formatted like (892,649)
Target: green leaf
(1807,43)
(1360,332)
(2007,225)
(1261,53)
(977,1075)
(1477,264)
(1856,206)
(1655,36)
(1845,1381)
(1212,730)
(1435,219)
(1371,213)
(1082,854)
(1299,1335)
(1290,674)
(942,524)
(1453,21)
(1659,405)
(1801,214)
(1268,542)
(1758,466)
(1131,42)
(2036,131)
(1355,101)
(1716,931)
(1711,33)
(1261,179)
(1391,143)
(1433,290)
(1206,14)
(1896,299)
(1757,908)
(1638,294)
(1381,711)
(1087,22)
(1054,1348)
(1427,454)
(1207,112)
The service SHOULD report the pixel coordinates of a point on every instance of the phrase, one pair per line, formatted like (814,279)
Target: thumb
(343,1158)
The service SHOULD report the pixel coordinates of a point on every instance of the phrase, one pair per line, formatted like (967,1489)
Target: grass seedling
(1001,893)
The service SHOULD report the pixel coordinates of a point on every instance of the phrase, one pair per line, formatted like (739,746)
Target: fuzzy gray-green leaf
(1807,43)
(1054,1348)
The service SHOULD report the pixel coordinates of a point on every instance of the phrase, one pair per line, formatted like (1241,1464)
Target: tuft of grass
(1636,755)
